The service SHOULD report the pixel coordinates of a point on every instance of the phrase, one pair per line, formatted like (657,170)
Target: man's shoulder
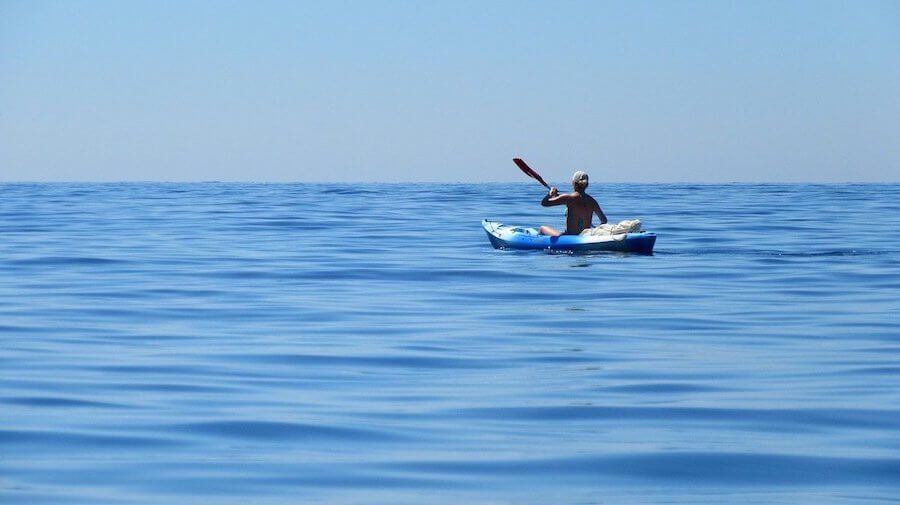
(581,196)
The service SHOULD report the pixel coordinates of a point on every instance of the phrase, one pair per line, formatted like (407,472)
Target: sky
(394,91)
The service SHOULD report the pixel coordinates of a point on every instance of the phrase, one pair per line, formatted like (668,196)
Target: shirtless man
(580,207)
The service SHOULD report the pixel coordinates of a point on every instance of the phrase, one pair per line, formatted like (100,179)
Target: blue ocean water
(302,343)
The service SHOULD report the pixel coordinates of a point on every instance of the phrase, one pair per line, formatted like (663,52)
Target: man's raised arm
(554,198)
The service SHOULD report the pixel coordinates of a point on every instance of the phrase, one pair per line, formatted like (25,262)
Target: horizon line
(699,183)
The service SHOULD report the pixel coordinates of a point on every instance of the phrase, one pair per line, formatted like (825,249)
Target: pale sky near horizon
(385,91)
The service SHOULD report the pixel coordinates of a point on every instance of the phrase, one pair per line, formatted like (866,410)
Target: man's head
(580,180)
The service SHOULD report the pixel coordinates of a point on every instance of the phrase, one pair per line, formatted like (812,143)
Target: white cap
(580,177)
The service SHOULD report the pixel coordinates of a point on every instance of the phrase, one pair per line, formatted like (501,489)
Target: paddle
(529,172)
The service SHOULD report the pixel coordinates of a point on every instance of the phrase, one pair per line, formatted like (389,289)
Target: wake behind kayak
(519,237)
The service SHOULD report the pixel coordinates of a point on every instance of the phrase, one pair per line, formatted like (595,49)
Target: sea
(224,343)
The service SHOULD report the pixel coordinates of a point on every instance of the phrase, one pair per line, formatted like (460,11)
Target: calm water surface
(253,343)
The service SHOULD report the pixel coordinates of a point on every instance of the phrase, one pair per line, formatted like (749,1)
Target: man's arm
(554,198)
(600,213)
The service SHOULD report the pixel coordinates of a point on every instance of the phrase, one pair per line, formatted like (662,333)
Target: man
(580,207)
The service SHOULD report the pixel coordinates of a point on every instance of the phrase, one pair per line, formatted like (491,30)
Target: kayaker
(580,207)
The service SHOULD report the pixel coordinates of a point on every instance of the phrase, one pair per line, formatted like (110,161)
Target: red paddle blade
(529,172)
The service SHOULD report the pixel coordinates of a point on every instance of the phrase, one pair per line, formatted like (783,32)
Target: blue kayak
(519,237)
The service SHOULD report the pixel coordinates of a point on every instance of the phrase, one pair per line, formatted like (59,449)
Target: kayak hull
(519,237)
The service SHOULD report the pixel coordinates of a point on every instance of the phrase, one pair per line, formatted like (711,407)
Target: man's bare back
(580,207)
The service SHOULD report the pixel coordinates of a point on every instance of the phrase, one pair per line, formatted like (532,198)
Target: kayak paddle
(529,172)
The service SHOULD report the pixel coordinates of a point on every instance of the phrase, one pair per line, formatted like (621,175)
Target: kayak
(519,237)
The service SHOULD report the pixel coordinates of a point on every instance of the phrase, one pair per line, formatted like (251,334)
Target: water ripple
(334,343)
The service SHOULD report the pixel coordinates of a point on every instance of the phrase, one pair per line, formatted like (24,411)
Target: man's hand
(552,198)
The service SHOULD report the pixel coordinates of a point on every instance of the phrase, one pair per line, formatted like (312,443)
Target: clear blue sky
(706,91)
